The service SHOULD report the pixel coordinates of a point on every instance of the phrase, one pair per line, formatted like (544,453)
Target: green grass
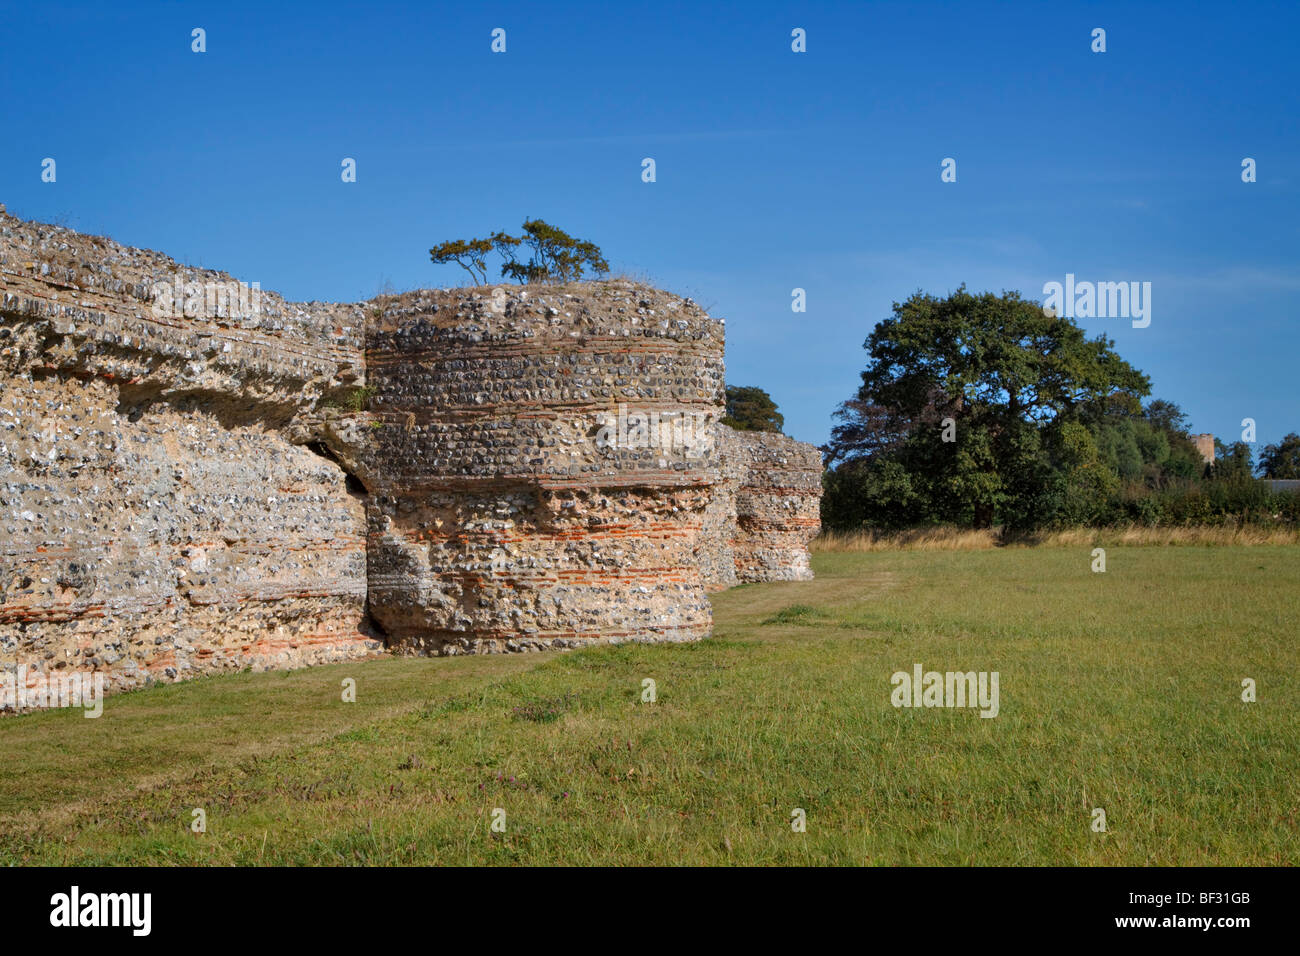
(1119,690)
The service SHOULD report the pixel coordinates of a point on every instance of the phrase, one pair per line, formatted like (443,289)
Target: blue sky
(775,170)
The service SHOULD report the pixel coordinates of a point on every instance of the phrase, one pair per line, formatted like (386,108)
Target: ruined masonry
(193,481)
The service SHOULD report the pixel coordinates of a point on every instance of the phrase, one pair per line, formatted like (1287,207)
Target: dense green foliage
(978,410)
(1283,459)
(751,409)
(555,255)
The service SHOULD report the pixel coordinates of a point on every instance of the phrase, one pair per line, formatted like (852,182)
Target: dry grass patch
(943,538)
(946,538)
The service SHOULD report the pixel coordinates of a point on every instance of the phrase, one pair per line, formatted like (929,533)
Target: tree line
(982,409)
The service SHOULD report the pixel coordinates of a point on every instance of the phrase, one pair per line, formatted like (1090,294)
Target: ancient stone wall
(198,476)
(765,510)
(156,522)
(540,464)
(778,505)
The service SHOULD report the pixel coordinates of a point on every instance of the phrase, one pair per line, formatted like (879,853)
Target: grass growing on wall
(1119,690)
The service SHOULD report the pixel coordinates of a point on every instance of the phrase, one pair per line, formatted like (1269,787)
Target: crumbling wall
(156,520)
(197,476)
(540,463)
(778,506)
(766,510)
(716,551)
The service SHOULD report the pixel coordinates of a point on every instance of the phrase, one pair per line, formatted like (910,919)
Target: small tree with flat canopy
(556,256)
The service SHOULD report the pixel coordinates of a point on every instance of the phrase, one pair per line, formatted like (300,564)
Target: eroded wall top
(141,319)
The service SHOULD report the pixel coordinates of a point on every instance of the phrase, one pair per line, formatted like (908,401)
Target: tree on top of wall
(554,255)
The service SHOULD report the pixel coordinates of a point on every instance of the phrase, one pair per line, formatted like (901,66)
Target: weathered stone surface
(764,511)
(778,505)
(503,517)
(155,522)
(194,478)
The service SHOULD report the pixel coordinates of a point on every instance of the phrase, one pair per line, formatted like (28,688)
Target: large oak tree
(977,407)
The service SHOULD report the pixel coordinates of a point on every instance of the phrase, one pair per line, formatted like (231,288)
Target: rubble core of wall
(156,522)
(510,509)
(766,509)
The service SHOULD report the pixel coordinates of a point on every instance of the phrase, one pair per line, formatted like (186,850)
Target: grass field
(1119,691)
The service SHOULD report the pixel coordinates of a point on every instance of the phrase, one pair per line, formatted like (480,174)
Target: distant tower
(1205,445)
